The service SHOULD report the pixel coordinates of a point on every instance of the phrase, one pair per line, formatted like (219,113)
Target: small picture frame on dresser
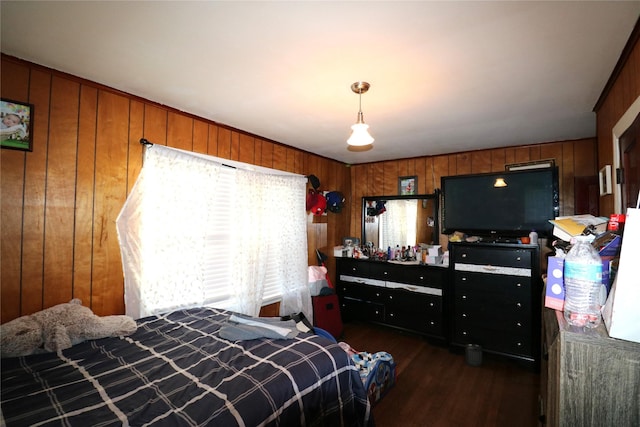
(407,185)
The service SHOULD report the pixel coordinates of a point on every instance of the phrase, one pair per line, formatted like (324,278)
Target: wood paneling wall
(577,158)
(622,90)
(59,202)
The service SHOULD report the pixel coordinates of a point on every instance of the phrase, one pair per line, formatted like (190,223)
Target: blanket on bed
(176,370)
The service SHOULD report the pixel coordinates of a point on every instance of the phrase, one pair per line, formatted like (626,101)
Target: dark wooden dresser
(402,295)
(496,298)
(588,378)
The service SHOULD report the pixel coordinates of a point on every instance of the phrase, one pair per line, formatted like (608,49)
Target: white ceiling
(445,76)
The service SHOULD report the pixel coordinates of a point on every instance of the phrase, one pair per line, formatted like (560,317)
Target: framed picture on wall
(16,125)
(407,185)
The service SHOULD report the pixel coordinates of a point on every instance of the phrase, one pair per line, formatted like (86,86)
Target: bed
(176,370)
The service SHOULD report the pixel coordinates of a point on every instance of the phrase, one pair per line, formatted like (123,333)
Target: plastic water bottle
(583,282)
(533,237)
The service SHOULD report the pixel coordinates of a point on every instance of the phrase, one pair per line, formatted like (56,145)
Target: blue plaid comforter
(175,370)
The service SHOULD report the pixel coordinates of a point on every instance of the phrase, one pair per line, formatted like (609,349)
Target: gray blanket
(239,328)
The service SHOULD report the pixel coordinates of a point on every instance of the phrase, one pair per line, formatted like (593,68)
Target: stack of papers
(566,227)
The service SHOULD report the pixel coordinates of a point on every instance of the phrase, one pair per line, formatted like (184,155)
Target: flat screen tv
(475,205)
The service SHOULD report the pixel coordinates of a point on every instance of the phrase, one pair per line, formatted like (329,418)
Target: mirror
(399,220)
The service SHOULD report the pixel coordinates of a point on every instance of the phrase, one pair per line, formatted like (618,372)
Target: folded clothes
(238,328)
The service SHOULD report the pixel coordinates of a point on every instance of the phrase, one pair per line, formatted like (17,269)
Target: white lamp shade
(360,136)
(500,182)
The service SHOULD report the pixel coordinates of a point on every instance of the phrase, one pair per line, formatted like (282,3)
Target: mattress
(176,370)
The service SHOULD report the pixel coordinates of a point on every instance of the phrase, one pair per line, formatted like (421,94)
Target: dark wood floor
(435,387)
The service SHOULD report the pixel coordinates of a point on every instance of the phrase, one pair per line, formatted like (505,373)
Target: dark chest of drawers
(495,298)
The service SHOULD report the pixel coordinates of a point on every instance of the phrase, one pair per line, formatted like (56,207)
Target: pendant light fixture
(360,135)
(500,182)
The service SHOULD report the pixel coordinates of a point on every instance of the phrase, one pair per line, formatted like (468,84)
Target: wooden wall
(59,202)
(575,159)
(621,91)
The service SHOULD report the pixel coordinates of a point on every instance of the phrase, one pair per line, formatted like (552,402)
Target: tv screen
(475,205)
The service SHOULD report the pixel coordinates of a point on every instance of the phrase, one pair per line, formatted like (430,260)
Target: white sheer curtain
(160,229)
(196,232)
(398,223)
(272,243)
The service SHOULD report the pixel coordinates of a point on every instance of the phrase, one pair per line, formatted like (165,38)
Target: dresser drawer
(500,306)
(361,291)
(519,258)
(415,304)
(351,308)
(417,289)
(517,287)
(352,267)
(434,277)
(418,312)
(495,339)
(425,325)
(384,271)
(422,313)
(511,318)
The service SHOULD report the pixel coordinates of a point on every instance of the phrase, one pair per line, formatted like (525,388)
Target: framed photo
(16,125)
(604,180)
(407,185)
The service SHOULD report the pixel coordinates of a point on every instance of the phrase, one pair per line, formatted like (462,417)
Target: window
(195,231)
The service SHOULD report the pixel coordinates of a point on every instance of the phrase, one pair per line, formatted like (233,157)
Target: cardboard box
(433,259)
(611,249)
(554,294)
(608,253)
(435,250)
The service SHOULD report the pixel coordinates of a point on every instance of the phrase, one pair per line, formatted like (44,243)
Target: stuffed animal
(59,327)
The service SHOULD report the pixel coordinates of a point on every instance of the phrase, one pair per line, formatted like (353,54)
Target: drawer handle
(464,279)
(464,332)
(385,273)
(377,294)
(518,259)
(432,323)
(464,314)
(421,277)
(518,324)
(390,296)
(464,297)
(391,314)
(464,255)
(430,304)
(519,285)
(518,305)
(519,344)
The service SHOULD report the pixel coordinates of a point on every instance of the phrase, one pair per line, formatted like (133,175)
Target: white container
(533,237)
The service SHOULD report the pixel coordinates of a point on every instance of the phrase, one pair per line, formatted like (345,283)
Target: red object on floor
(326,314)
